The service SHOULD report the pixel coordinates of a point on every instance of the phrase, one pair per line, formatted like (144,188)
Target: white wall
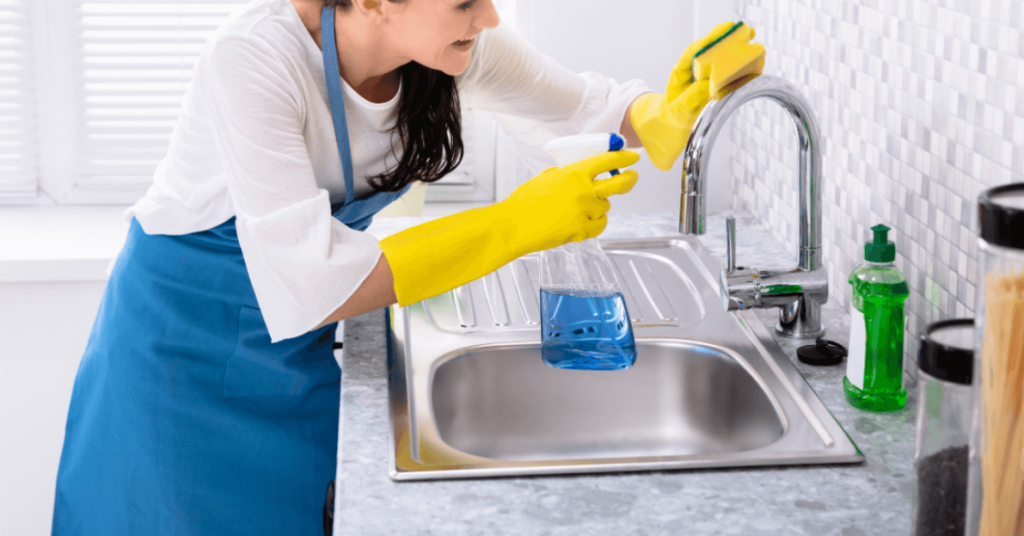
(43,329)
(627,40)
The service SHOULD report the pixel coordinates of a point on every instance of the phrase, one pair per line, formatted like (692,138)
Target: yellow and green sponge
(729,61)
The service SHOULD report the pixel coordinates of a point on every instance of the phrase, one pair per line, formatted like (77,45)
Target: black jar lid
(1001,215)
(947,350)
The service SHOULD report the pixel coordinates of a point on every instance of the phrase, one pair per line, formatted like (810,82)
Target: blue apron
(185,419)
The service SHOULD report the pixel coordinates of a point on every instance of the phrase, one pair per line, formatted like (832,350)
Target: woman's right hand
(567,204)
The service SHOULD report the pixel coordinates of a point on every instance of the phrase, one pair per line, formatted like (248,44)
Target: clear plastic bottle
(995,495)
(874,373)
(944,413)
(584,321)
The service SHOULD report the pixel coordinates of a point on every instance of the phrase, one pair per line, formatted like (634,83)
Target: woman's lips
(464,43)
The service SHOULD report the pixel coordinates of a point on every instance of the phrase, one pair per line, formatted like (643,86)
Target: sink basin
(681,398)
(470,395)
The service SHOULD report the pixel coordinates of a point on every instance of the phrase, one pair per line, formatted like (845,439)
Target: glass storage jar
(944,412)
(996,475)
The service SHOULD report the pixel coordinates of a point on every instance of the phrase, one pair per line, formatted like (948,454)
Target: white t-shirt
(255,140)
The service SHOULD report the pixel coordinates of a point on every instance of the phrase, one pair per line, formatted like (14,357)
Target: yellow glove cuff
(421,257)
(664,127)
(644,115)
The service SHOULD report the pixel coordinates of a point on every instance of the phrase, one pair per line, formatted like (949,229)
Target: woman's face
(438,33)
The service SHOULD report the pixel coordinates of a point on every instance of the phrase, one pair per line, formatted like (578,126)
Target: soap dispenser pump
(874,373)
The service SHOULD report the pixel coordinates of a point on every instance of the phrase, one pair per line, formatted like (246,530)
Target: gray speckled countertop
(873,498)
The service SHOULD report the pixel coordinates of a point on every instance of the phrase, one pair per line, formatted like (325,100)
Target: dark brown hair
(429,125)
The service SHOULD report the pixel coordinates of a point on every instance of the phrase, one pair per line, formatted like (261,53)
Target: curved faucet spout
(801,317)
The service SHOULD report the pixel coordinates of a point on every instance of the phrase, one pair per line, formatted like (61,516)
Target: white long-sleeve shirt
(255,140)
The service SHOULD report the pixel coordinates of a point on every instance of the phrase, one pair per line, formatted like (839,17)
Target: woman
(207,398)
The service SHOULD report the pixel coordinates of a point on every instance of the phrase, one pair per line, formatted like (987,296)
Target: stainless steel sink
(471,397)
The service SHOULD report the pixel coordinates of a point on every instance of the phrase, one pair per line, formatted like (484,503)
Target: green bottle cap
(880,249)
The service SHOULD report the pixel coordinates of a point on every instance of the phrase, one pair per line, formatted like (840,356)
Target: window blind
(135,65)
(18,174)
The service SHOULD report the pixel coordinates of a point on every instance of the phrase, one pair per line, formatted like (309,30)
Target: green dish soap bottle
(874,370)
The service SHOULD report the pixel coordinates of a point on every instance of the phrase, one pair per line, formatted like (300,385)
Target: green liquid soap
(874,374)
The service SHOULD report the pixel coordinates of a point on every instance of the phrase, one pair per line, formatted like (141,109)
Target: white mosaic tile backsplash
(919,111)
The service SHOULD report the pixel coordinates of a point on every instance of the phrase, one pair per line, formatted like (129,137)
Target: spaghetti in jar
(996,489)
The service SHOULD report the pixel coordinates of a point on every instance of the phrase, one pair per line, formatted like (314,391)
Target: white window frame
(53,58)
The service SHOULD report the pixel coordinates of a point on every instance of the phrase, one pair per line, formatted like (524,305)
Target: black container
(944,413)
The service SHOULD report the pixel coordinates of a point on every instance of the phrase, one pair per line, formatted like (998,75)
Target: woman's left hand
(663,121)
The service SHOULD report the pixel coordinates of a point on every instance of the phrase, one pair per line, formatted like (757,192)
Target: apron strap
(336,96)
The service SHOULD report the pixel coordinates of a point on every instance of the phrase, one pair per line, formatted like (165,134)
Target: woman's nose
(488,16)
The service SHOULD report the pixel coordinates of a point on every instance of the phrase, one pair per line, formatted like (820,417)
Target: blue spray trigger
(616,142)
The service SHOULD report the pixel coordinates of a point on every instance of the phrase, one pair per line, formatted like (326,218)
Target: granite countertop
(873,498)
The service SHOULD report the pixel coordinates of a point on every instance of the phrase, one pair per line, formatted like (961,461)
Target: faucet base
(799,335)
(800,320)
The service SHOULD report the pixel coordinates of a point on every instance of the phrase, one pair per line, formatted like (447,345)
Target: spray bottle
(584,321)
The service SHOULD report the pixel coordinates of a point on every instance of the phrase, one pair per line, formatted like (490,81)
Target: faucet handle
(730,247)
(730,244)
(738,285)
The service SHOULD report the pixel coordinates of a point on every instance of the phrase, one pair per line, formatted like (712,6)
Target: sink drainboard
(656,292)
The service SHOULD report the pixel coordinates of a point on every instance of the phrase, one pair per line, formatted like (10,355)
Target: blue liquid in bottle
(586,331)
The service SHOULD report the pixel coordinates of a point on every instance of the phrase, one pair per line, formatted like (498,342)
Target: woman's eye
(466,6)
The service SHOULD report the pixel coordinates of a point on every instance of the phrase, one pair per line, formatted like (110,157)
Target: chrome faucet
(798,293)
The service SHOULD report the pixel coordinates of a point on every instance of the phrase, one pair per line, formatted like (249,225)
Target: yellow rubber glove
(663,121)
(558,206)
